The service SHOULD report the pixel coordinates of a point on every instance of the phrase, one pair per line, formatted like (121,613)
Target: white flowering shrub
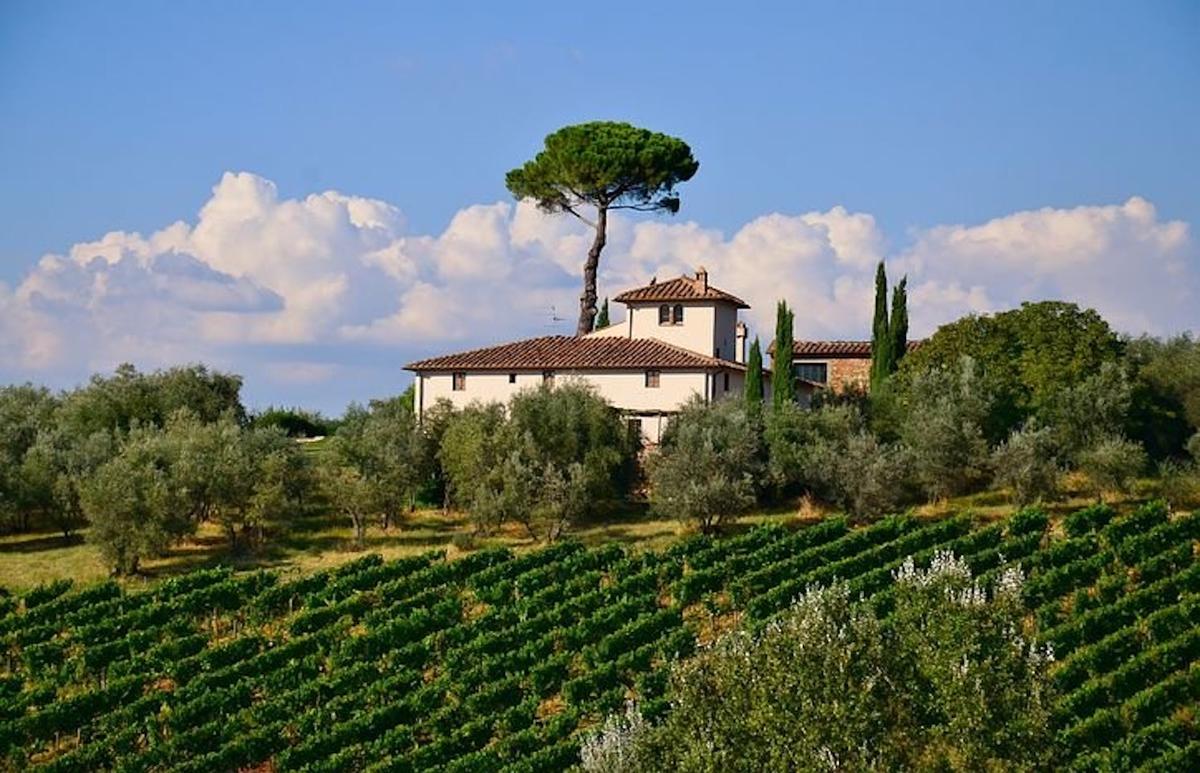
(612,748)
(949,680)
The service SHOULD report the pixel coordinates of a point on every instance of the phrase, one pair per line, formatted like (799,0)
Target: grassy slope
(321,542)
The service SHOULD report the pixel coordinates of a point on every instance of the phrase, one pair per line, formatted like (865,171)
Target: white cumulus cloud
(331,291)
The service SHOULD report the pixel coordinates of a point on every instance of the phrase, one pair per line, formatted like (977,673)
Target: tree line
(1017,401)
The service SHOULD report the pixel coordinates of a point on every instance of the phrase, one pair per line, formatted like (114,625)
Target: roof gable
(682,288)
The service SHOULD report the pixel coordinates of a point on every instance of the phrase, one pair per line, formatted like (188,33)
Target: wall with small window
(682,324)
(629,390)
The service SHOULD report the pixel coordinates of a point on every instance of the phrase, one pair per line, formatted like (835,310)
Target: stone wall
(844,372)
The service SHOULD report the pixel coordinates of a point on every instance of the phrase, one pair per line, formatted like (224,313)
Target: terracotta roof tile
(683,288)
(570,353)
(848,349)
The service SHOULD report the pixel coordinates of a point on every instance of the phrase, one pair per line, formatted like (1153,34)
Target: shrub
(1179,484)
(1111,464)
(1026,465)
(829,685)
(944,414)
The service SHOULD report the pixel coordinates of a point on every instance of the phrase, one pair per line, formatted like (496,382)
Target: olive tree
(53,469)
(1026,464)
(134,509)
(707,467)
(1111,464)
(943,416)
(471,446)
(558,455)
(603,166)
(25,411)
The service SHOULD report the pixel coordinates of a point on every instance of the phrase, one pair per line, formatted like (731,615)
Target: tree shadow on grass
(41,544)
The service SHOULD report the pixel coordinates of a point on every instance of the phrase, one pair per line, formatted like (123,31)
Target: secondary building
(679,339)
(835,365)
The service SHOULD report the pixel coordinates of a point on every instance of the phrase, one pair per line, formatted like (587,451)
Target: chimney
(739,349)
(702,278)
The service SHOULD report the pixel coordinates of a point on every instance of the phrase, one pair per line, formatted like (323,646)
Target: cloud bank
(327,296)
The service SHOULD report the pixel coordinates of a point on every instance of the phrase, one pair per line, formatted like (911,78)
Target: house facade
(679,338)
(836,365)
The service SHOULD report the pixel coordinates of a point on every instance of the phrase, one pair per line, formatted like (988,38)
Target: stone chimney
(702,278)
(739,348)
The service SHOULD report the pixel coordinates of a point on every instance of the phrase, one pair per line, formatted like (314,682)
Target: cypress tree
(881,339)
(899,324)
(783,388)
(602,317)
(754,378)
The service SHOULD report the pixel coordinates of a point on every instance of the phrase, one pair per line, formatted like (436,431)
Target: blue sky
(920,116)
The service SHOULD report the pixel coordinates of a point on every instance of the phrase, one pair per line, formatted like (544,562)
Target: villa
(679,338)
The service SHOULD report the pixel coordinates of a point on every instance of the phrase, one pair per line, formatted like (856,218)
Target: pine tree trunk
(587,301)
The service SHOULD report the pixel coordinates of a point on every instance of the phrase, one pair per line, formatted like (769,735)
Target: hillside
(496,661)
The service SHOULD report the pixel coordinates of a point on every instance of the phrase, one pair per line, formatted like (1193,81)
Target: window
(634,427)
(652,377)
(726,382)
(548,377)
(817,372)
(670,315)
(459,381)
(512,378)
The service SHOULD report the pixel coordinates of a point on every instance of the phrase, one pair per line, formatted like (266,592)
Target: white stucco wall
(724,333)
(615,330)
(695,334)
(626,390)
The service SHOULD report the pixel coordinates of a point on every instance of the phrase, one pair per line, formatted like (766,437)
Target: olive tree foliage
(53,469)
(134,508)
(25,411)
(129,398)
(471,447)
(377,464)
(590,169)
(240,479)
(384,443)
(1111,464)
(1026,464)
(1091,410)
(950,681)
(1179,483)
(944,413)
(707,467)
(557,455)
(828,452)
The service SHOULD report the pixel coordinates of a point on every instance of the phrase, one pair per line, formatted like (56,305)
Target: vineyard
(497,661)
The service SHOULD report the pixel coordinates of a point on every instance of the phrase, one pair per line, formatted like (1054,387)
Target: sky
(312,194)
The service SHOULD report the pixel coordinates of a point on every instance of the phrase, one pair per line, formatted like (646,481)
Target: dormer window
(670,315)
